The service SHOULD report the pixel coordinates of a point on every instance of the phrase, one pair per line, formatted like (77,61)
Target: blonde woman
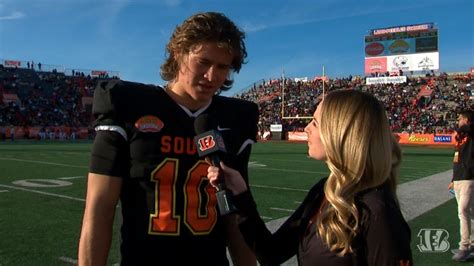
(351,217)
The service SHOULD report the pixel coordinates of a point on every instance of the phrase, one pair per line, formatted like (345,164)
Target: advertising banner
(375,65)
(392,47)
(413,62)
(426,139)
(12,63)
(403,138)
(303,79)
(407,48)
(386,80)
(276,128)
(406,28)
(374,49)
(401,46)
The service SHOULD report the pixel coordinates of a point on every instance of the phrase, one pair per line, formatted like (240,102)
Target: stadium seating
(36,101)
(424,104)
(50,104)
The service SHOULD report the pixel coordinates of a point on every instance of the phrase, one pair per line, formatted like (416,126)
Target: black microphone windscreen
(208,139)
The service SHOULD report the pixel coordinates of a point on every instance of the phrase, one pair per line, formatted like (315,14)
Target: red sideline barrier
(403,138)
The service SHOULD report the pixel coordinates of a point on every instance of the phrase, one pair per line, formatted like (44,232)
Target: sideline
(428,193)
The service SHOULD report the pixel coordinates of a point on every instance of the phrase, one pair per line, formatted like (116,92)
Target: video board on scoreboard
(399,48)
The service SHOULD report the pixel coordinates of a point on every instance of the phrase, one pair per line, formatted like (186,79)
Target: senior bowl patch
(149,123)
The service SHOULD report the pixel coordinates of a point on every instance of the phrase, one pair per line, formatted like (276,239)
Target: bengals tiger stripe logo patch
(206,143)
(149,124)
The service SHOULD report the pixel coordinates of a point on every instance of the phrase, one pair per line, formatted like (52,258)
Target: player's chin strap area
(117,129)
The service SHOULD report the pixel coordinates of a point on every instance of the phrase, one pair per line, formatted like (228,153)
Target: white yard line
(281,209)
(289,170)
(280,188)
(42,162)
(42,192)
(71,177)
(68,260)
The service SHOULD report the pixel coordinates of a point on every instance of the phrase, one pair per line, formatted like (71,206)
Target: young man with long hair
(144,155)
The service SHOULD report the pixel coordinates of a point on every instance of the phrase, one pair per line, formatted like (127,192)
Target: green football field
(42,192)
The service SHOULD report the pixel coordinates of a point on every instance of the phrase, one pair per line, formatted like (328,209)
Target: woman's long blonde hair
(362,153)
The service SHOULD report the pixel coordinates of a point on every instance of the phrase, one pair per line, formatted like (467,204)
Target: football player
(144,155)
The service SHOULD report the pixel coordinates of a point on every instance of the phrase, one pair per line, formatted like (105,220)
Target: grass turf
(40,225)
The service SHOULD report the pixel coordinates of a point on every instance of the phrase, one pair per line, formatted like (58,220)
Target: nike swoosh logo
(222,128)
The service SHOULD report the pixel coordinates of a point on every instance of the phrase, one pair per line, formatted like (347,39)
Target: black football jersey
(169,208)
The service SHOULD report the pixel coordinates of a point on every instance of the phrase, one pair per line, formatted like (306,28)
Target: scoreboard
(406,48)
(402,35)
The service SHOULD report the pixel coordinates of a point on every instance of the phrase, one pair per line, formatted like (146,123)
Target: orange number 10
(165,221)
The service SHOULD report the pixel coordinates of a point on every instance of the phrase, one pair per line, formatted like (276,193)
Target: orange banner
(403,138)
(426,139)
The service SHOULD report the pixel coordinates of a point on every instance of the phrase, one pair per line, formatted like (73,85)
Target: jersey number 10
(165,221)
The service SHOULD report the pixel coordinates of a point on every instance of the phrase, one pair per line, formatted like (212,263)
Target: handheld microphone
(210,144)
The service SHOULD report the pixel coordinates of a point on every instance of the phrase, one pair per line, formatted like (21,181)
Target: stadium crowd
(424,104)
(56,103)
(59,104)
